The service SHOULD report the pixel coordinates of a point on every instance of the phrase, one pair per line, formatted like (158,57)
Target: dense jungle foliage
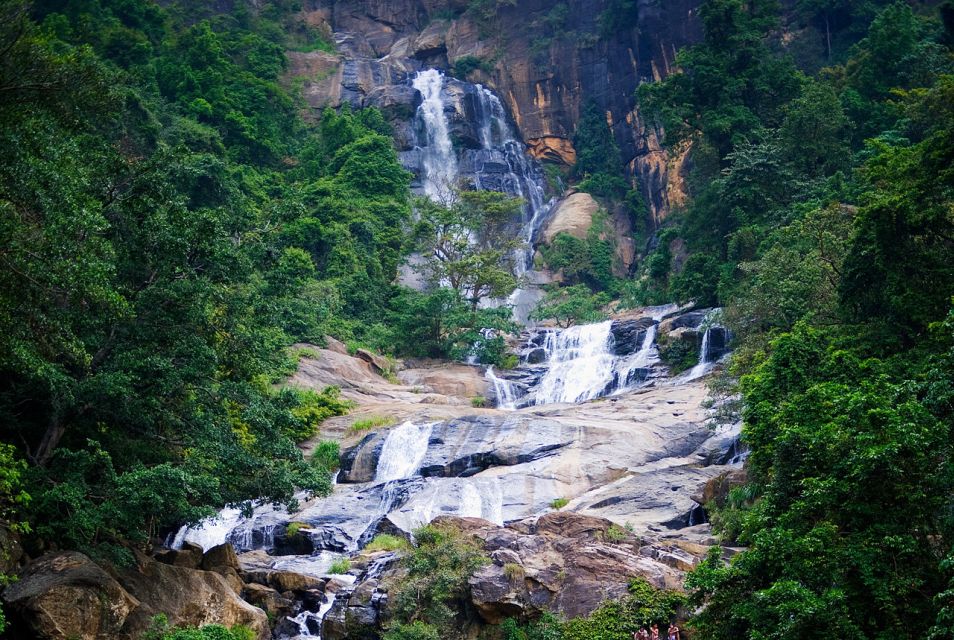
(822,219)
(170,225)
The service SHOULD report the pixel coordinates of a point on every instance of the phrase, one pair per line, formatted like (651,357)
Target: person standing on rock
(674,632)
(654,632)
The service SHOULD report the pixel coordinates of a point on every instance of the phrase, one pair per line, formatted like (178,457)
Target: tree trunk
(54,432)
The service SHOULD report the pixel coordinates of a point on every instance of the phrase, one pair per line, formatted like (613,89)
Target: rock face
(188,597)
(563,562)
(450,379)
(59,596)
(543,75)
(628,335)
(574,216)
(65,596)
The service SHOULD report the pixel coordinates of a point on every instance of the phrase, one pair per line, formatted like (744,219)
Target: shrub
(618,619)
(327,455)
(513,571)
(160,630)
(572,305)
(559,503)
(478,402)
(616,533)
(465,64)
(339,566)
(678,354)
(311,408)
(387,542)
(416,630)
(436,585)
(373,422)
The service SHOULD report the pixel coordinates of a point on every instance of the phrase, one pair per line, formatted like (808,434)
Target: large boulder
(221,556)
(450,379)
(271,601)
(357,614)
(67,596)
(188,597)
(716,491)
(574,216)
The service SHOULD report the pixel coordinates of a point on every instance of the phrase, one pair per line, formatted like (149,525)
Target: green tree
(598,163)
(572,305)
(438,568)
(900,266)
(461,244)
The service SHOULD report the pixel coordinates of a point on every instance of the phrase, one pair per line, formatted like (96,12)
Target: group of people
(653,633)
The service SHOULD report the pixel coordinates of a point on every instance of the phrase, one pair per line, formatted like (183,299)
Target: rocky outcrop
(717,489)
(188,597)
(573,216)
(357,613)
(565,563)
(65,596)
(446,378)
(628,335)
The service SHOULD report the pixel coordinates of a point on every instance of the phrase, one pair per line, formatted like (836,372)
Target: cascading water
(703,365)
(581,364)
(504,390)
(403,451)
(438,157)
(309,622)
(500,164)
(401,457)
(524,180)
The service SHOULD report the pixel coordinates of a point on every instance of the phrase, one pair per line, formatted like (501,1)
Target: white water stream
(439,159)
(504,391)
(404,450)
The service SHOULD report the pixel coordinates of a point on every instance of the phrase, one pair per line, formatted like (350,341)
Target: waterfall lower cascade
(581,364)
(584,362)
(504,390)
(403,451)
(702,366)
(709,327)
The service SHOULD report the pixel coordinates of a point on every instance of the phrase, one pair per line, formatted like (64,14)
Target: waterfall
(505,392)
(309,622)
(581,364)
(524,180)
(702,367)
(211,532)
(501,163)
(403,451)
(440,162)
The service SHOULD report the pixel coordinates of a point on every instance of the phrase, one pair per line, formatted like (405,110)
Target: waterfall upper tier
(463,139)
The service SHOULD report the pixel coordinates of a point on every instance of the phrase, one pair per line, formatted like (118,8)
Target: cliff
(544,59)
